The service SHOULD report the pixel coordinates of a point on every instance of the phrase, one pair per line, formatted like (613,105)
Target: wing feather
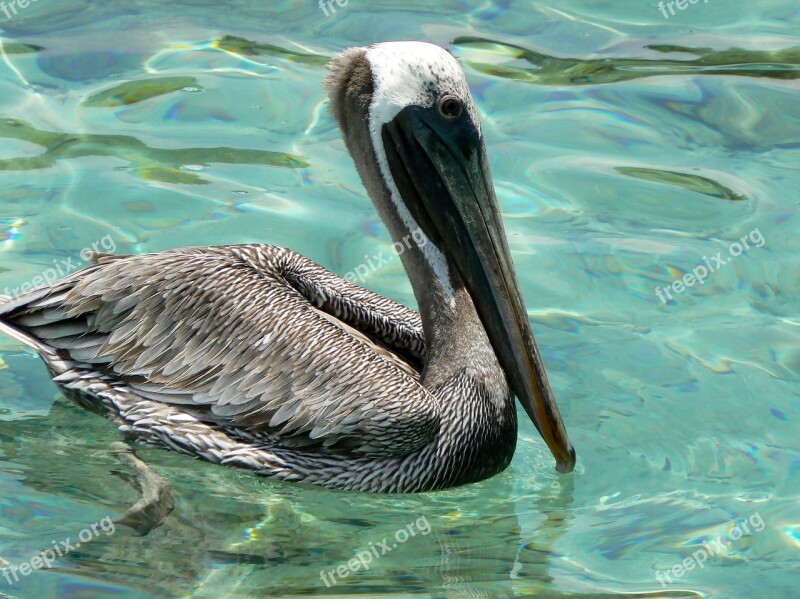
(252,337)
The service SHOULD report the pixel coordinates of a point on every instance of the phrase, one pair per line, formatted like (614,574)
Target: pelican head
(411,125)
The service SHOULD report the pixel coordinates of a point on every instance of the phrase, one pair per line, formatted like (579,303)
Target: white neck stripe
(412,74)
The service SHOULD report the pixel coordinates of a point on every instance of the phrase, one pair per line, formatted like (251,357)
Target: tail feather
(15,317)
(19,335)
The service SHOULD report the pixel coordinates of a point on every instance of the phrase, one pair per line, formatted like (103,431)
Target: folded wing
(254,338)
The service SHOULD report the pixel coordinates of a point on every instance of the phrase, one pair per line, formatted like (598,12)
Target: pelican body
(254,356)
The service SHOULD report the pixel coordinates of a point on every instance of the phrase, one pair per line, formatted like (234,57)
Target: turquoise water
(628,150)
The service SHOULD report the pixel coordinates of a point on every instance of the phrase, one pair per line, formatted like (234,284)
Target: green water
(628,150)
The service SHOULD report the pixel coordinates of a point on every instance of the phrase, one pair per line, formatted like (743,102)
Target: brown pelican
(254,356)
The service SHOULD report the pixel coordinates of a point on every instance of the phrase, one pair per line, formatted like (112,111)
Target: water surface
(627,150)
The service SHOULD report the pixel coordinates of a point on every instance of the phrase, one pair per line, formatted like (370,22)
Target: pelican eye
(450,107)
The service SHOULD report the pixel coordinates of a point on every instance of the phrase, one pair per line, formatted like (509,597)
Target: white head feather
(414,74)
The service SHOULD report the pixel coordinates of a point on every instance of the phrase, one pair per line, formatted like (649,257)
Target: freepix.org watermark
(62,267)
(718,546)
(327,5)
(701,272)
(364,558)
(9,9)
(679,4)
(363,270)
(46,558)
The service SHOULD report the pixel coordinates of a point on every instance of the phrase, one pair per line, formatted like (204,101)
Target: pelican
(256,357)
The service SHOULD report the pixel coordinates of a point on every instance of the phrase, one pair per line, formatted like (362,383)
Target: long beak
(441,170)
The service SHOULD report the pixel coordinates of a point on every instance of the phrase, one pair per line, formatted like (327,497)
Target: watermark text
(718,546)
(46,558)
(10,8)
(62,267)
(371,264)
(673,4)
(701,272)
(364,558)
(327,5)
